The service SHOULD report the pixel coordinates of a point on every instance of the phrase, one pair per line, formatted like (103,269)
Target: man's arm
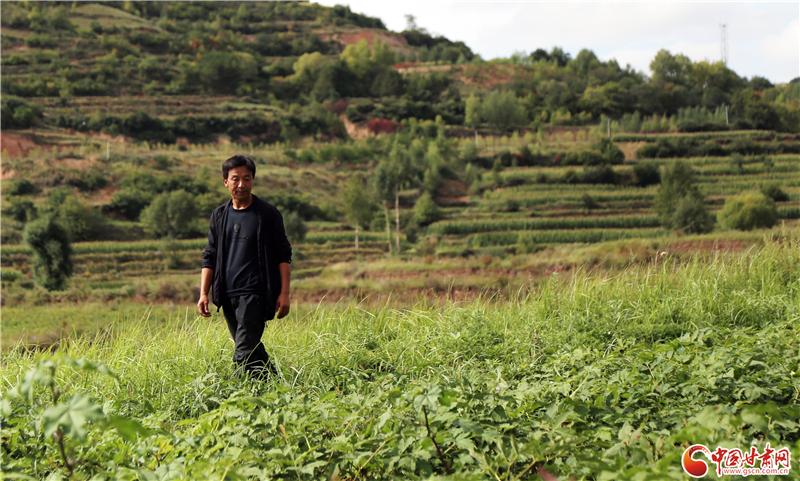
(282,304)
(206,276)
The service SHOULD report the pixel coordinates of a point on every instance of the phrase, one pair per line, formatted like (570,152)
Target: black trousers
(247,317)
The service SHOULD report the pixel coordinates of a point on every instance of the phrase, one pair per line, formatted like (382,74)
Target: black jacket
(273,248)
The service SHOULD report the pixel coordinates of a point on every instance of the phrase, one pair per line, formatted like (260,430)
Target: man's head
(238,161)
(238,173)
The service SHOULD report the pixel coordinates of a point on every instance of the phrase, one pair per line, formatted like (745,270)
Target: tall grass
(647,349)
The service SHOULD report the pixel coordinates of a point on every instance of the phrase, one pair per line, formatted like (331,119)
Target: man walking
(247,266)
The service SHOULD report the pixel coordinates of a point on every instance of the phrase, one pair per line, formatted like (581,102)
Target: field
(485,282)
(584,376)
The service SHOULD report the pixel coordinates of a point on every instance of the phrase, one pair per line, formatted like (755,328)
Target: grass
(593,377)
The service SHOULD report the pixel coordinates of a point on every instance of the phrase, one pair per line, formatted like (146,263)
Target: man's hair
(238,161)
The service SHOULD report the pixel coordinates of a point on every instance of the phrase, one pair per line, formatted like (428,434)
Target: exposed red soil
(17,145)
(394,40)
(410,67)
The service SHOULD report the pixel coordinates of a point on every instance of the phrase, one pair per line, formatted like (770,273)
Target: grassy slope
(596,378)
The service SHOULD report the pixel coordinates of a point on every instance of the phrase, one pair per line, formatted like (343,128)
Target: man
(247,265)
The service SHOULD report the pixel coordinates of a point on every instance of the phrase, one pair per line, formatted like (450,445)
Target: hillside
(500,172)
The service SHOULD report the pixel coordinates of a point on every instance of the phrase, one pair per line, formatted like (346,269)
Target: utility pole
(108,147)
(723,42)
(726,115)
(608,127)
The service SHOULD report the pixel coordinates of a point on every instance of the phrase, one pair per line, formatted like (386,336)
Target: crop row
(485,239)
(116,247)
(470,227)
(752,134)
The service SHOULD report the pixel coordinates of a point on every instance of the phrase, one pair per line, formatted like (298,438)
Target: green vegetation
(566,204)
(52,264)
(698,352)
(748,211)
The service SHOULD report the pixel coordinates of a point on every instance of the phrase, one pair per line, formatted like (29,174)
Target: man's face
(239,182)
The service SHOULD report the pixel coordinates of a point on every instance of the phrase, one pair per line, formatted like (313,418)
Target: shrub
(83,222)
(181,211)
(21,210)
(526,243)
(130,202)
(748,211)
(21,187)
(691,215)
(599,174)
(677,182)
(18,114)
(775,193)
(170,214)
(52,264)
(295,227)
(609,150)
(646,173)
(426,211)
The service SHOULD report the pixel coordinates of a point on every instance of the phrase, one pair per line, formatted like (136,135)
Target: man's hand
(202,305)
(282,305)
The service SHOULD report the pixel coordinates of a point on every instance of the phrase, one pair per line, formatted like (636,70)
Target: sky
(763,37)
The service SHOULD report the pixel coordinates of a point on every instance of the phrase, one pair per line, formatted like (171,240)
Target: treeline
(311,121)
(274,53)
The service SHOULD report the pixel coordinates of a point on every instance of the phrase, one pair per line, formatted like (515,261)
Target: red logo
(695,467)
(735,462)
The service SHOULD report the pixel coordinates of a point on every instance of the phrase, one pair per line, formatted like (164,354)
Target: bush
(296,229)
(748,211)
(426,211)
(130,202)
(609,150)
(775,193)
(21,210)
(19,114)
(52,264)
(646,173)
(170,214)
(691,216)
(21,187)
(83,222)
(599,174)
(526,244)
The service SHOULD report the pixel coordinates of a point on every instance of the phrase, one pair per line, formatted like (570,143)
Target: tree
(671,68)
(679,203)
(170,214)
(295,227)
(611,153)
(502,110)
(748,211)
(691,215)
(473,114)
(358,57)
(426,211)
(589,203)
(359,208)
(646,173)
(181,211)
(83,222)
(384,188)
(52,264)
(309,64)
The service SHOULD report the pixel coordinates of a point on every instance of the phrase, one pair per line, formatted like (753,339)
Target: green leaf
(128,429)
(72,417)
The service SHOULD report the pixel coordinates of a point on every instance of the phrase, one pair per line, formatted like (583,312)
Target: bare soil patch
(17,145)
(630,148)
(351,38)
